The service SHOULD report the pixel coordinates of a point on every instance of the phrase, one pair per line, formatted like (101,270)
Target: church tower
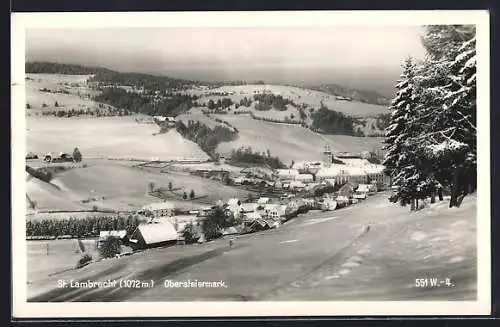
(327,156)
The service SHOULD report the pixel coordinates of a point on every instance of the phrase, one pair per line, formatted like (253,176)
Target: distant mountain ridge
(43,67)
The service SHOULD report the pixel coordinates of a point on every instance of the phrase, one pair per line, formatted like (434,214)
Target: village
(338,181)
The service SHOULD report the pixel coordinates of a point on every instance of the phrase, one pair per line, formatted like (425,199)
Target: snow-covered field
(310,97)
(114,137)
(314,257)
(114,185)
(78,97)
(290,142)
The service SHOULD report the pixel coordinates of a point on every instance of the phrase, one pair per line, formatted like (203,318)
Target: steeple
(327,156)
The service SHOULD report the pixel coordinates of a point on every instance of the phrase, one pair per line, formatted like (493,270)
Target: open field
(316,256)
(108,137)
(75,85)
(298,95)
(290,142)
(52,257)
(114,185)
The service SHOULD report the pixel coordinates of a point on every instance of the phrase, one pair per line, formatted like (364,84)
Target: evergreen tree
(403,157)
(77,155)
(451,142)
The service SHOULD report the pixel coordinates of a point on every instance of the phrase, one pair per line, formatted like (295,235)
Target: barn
(155,233)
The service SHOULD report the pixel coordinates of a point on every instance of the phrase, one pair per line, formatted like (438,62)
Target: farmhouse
(155,233)
(121,234)
(158,209)
(181,221)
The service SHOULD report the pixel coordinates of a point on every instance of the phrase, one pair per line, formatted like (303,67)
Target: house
(181,221)
(304,178)
(366,188)
(158,209)
(263,200)
(233,202)
(271,206)
(248,207)
(287,174)
(250,216)
(376,173)
(346,191)
(237,181)
(328,205)
(329,173)
(278,185)
(160,118)
(297,185)
(355,175)
(121,234)
(155,233)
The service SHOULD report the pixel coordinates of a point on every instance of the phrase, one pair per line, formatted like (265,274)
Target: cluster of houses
(330,184)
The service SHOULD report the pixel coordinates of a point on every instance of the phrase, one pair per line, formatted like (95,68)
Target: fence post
(47,248)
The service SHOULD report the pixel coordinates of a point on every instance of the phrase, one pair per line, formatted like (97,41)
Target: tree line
(207,138)
(80,227)
(268,101)
(328,121)
(170,105)
(431,138)
(45,67)
(139,80)
(248,156)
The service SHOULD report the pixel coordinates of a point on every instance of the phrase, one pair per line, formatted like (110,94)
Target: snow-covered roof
(355,162)
(114,233)
(249,207)
(333,170)
(304,164)
(263,200)
(233,202)
(183,218)
(287,172)
(374,169)
(253,216)
(158,231)
(363,188)
(304,177)
(353,171)
(272,206)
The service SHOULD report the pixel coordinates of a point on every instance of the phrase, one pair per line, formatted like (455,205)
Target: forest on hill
(44,67)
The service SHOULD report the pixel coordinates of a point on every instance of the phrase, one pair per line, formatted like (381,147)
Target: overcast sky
(362,57)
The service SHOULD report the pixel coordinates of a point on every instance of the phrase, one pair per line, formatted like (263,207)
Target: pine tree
(403,157)
(452,143)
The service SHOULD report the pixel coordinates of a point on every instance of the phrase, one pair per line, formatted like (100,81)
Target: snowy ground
(317,256)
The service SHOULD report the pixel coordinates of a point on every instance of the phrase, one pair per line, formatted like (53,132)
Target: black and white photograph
(290,161)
